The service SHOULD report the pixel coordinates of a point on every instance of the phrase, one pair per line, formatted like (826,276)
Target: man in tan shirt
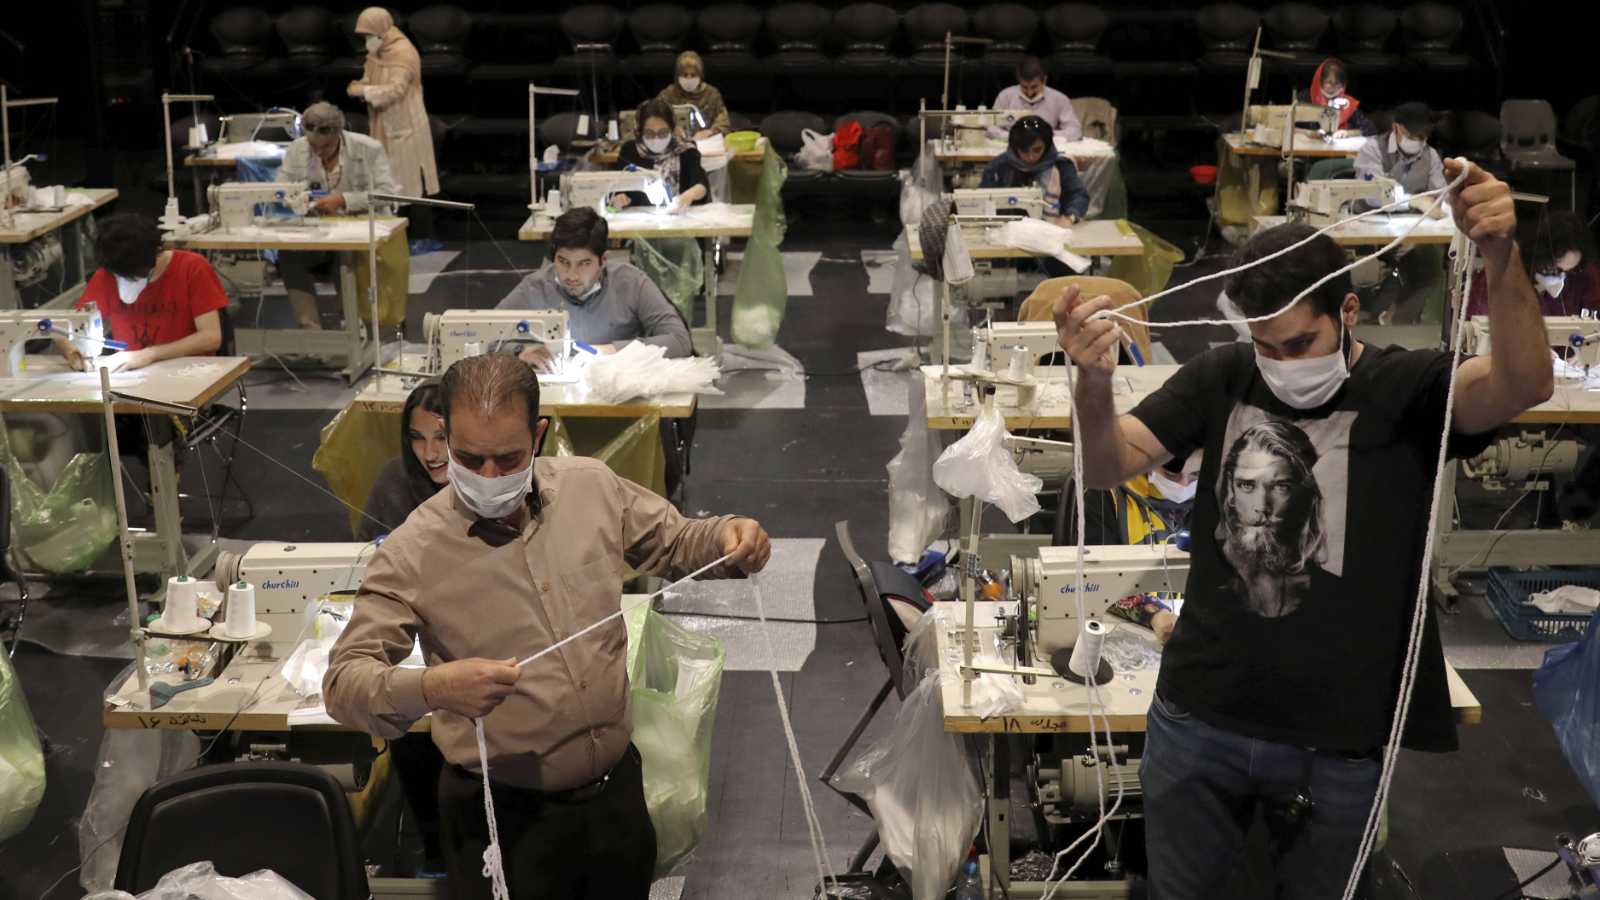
(523,552)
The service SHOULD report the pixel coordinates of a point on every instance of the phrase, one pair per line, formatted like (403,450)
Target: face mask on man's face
(1175,491)
(490,497)
(128,289)
(581,294)
(373,43)
(1411,146)
(1306,383)
(1552,283)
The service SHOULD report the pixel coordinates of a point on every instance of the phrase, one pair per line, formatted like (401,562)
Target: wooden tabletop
(52,387)
(1058,705)
(1305,145)
(1378,230)
(26,226)
(1100,237)
(707,220)
(332,233)
(387,394)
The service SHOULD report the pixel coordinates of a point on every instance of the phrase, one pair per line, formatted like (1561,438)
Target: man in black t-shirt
(1279,683)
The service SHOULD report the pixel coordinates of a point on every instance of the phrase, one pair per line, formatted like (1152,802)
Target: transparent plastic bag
(913,304)
(130,761)
(643,370)
(676,266)
(917,511)
(201,881)
(1039,237)
(979,465)
(22,776)
(1566,688)
(762,295)
(674,679)
(918,782)
(66,528)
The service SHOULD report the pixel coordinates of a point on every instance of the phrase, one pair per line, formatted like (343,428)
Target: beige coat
(392,86)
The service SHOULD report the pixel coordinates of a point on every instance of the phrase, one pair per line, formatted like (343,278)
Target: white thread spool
(241,621)
(1085,659)
(1020,364)
(180,614)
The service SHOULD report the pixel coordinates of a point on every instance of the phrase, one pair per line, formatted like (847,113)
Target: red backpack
(877,148)
(847,146)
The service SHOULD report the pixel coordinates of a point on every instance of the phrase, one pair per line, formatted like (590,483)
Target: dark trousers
(300,269)
(599,848)
(1203,787)
(417,763)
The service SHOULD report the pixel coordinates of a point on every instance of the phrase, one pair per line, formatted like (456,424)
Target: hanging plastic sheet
(21,758)
(674,678)
(66,528)
(130,761)
(676,266)
(913,296)
(917,509)
(1566,688)
(1150,271)
(763,291)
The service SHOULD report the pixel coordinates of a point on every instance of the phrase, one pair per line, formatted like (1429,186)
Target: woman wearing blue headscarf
(1031,158)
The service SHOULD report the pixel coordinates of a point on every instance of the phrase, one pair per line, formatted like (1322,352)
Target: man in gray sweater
(607,305)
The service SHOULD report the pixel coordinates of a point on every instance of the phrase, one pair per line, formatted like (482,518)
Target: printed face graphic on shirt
(1277,524)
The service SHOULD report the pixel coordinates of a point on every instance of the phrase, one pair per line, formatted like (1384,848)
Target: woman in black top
(676,160)
(421,469)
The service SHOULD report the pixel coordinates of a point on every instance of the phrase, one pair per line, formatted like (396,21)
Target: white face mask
(490,498)
(373,43)
(1411,146)
(1172,490)
(1552,285)
(657,144)
(1306,383)
(689,85)
(583,295)
(128,289)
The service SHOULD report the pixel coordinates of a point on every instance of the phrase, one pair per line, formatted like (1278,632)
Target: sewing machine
(234,204)
(1000,201)
(1324,202)
(973,129)
(593,189)
(1582,859)
(1271,124)
(1576,339)
(83,328)
(459,333)
(1044,584)
(289,577)
(1000,341)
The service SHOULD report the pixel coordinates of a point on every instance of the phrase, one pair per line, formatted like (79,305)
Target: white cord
(493,864)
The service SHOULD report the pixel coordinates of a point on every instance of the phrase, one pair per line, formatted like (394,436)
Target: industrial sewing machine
(459,333)
(1274,125)
(974,129)
(234,204)
(1324,202)
(1002,340)
(593,189)
(1576,339)
(84,328)
(1028,201)
(290,577)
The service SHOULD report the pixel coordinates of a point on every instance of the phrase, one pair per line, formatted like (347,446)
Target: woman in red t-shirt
(162,304)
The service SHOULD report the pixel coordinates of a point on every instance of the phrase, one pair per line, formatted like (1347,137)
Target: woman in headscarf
(689,88)
(1328,87)
(391,84)
(658,146)
(421,469)
(1031,158)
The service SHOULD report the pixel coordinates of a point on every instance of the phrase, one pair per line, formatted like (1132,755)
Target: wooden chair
(1039,303)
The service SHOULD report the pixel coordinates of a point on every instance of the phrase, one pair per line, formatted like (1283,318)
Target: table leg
(999,813)
(704,338)
(1443,526)
(199,190)
(9,298)
(162,461)
(356,361)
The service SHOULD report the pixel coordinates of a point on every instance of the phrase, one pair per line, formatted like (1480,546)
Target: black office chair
(218,419)
(886,589)
(287,817)
(12,622)
(660,30)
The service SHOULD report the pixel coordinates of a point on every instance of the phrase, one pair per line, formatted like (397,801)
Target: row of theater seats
(834,59)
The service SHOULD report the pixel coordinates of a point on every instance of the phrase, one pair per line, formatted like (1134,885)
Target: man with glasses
(342,168)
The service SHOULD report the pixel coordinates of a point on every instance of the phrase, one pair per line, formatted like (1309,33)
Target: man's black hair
(127,245)
(1029,68)
(1415,117)
(580,229)
(1264,289)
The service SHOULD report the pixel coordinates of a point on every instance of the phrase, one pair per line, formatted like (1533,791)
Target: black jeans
(599,848)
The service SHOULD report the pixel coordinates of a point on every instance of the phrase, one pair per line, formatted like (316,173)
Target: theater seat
(661,31)
(1075,31)
(729,31)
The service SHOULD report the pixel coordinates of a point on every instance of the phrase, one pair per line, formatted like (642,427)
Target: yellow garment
(1247,186)
(1150,271)
(392,77)
(1140,524)
(394,281)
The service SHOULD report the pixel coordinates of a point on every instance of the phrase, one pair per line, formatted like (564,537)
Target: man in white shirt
(1031,95)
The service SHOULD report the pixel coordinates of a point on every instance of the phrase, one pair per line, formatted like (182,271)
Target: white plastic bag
(958,267)
(22,778)
(1041,237)
(917,510)
(200,881)
(919,784)
(979,465)
(913,307)
(643,370)
(816,151)
(919,186)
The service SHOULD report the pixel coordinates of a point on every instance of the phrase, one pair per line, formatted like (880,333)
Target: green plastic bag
(21,759)
(763,292)
(674,676)
(66,528)
(676,266)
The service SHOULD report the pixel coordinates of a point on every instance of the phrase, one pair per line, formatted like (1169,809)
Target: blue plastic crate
(1508,594)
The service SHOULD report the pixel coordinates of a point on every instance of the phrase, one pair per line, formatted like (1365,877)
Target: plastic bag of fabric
(674,679)
(847,146)
(201,881)
(816,151)
(1151,270)
(643,370)
(919,186)
(676,266)
(763,292)
(913,297)
(917,510)
(21,758)
(919,784)
(66,528)
(1039,237)
(130,761)
(1566,687)
(979,465)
